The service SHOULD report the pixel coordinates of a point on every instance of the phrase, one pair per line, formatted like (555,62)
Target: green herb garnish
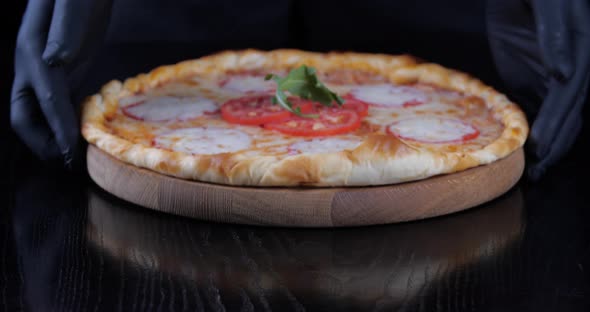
(303,82)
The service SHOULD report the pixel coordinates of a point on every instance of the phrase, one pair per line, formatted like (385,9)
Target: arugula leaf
(303,82)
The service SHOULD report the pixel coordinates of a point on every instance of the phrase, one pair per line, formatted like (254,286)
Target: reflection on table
(376,267)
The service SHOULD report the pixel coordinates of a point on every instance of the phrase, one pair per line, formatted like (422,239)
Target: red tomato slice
(361,108)
(330,122)
(259,110)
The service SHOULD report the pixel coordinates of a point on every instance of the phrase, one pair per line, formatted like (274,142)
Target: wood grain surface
(306,207)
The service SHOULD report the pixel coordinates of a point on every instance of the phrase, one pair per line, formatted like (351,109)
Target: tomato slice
(350,103)
(329,122)
(259,110)
(360,107)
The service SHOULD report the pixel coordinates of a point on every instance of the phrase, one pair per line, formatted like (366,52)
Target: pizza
(216,119)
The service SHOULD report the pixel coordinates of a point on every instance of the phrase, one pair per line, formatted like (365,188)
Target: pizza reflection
(354,268)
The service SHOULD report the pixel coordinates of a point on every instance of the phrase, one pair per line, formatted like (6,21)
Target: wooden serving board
(306,207)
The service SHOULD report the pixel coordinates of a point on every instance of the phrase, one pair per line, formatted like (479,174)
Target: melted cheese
(171,108)
(132,99)
(325,145)
(204,141)
(432,129)
(248,84)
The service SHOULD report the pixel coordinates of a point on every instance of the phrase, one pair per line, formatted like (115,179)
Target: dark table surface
(66,245)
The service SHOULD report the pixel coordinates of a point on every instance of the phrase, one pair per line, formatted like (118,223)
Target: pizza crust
(380,159)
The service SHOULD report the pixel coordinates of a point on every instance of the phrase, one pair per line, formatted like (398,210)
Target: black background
(526,251)
(11,16)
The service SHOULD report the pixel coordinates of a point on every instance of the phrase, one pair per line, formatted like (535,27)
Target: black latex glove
(55,37)
(542,52)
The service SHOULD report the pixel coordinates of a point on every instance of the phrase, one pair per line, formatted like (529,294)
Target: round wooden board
(306,207)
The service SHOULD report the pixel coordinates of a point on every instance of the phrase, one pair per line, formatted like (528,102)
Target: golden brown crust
(380,159)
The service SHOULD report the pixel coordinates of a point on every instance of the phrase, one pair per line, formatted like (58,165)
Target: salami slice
(131,100)
(166,108)
(389,96)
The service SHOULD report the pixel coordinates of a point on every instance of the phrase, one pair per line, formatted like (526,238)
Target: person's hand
(541,49)
(54,38)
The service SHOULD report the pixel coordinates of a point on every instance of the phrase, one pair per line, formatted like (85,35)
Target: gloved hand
(55,37)
(542,52)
